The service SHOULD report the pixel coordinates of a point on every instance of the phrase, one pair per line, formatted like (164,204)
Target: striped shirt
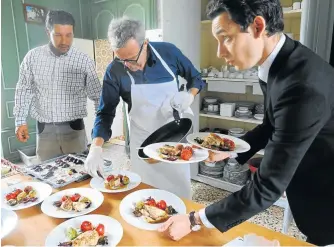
(55,88)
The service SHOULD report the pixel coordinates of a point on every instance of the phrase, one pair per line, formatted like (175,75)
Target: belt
(63,123)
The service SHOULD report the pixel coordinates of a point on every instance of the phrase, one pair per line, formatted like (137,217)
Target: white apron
(145,118)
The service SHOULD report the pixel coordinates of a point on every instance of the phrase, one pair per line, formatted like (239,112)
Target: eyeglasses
(133,61)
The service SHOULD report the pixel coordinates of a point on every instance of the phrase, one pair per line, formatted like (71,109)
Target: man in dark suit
(297,131)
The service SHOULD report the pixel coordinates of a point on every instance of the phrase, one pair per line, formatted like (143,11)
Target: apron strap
(131,78)
(163,62)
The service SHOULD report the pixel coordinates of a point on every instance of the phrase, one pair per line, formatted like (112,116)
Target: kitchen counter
(34,226)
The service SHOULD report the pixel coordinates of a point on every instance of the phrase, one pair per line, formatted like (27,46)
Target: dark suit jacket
(298,136)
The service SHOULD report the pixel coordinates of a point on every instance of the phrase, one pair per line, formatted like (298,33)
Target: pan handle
(176,114)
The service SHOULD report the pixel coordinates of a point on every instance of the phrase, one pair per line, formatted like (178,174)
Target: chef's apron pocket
(77,124)
(40,127)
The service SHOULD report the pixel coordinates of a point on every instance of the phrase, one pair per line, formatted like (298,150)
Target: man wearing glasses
(145,75)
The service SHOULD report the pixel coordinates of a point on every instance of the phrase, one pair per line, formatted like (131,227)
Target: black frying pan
(173,131)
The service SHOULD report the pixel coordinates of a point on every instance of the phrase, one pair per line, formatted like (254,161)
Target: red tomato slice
(100,229)
(86,226)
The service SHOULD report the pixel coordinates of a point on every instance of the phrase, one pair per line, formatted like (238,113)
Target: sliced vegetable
(71,233)
(162,205)
(86,226)
(75,197)
(10,196)
(100,229)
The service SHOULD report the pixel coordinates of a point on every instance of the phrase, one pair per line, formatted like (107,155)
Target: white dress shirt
(264,68)
(263,75)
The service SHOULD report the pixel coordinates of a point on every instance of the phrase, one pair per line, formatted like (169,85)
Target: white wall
(317,26)
(87,46)
(181,25)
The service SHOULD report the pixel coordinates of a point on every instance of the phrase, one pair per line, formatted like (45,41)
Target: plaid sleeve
(23,92)
(93,83)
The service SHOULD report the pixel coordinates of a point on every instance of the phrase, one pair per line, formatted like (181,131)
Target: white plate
(94,195)
(113,229)
(43,191)
(8,222)
(98,183)
(126,206)
(198,156)
(240,145)
(259,116)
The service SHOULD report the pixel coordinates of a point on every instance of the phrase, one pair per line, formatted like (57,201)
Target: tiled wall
(103,56)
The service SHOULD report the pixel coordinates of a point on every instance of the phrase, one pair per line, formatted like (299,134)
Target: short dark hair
(243,12)
(58,17)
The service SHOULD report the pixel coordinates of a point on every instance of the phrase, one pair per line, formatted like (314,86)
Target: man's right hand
(22,133)
(94,161)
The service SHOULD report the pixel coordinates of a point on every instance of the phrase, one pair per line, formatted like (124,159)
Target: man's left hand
(182,101)
(176,227)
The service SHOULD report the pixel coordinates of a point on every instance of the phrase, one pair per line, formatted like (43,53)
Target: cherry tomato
(186,154)
(151,202)
(10,196)
(64,198)
(100,229)
(27,189)
(75,197)
(110,177)
(162,205)
(16,192)
(86,226)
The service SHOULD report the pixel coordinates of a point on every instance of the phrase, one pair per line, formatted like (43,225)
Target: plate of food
(24,195)
(8,222)
(147,209)
(218,142)
(116,182)
(87,230)
(72,202)
(173,152)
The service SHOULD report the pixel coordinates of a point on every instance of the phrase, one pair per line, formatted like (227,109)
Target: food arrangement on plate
(215,142)
(18,196)
(74,202)
(153,212)
(86,235)
(116,182)
(177,152)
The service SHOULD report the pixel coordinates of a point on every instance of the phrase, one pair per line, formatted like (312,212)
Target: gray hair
(122,29)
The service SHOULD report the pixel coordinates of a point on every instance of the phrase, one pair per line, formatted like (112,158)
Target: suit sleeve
(299,115)
(188,71)
(257,139)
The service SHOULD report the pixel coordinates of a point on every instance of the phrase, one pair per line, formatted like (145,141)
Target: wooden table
(34,226)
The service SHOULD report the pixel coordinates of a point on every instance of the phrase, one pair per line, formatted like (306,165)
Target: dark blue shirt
(117,83)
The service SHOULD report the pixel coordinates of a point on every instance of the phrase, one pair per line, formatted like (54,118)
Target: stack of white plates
(259,116)
(249,105)
(236,132)
(243,112)
(212,170)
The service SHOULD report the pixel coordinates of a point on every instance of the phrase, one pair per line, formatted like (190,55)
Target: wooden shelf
(249,81)
(293,13)
(250,120)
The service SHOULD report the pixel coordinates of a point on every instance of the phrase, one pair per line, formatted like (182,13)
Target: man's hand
(215,157)
(182,101)
(22,133)
(176,227)
(94,161)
